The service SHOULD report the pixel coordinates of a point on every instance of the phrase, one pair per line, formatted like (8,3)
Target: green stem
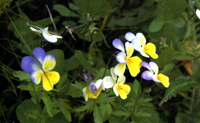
(137,98)
(3,114)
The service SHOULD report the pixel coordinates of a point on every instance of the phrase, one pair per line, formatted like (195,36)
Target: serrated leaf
(167,69)
(48,103)
(22,75)
(142,114)
(97,115)
(120,113)
(104,98)
(64,107)
(183,84)
(64,11)
(30,87)
(136,86)
(106,111)
(84,62)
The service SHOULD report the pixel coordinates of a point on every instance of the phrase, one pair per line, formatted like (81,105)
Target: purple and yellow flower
(93,90)
(139,44)
(47,36)
(43,71)
(119,88)
(152,74)
(124,58)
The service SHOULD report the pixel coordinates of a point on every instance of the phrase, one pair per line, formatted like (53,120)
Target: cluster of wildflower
(124,57)
(40,65)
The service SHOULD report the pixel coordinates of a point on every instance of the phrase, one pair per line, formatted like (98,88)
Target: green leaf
(106,111)
(104,98)
(168,10)
(182,84)
(30,87)
(120,113)
(59,118)
(101,72)
(64,11)
(64,107)
(22,75)
(136,86)
(88,105)
(22,108)
(126,21)
(165,58)
(73,7)
(156,25)
(71,63)
(97,115)
(93,7)
(74,91)
(48,103)
(195,67)
(197,3)
(142,114)
(86,65)
(167,69)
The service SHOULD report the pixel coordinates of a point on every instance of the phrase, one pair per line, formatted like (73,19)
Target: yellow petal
(49,62)
(164,79)
(133,64)
(36,76)
(150,49)
(129,49)
(94,96)
(86,93)
(119,69)
(53,78)
(47,85)
(123,90)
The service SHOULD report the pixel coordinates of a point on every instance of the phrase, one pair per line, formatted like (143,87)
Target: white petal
(129,49)
(137,44)
(142,38)
(98,83)
(121,57)
(154,67)
(49,37)
(198,13)
(121,80)
(35,30)
(108,82)
(115,90)
(114,76)
(129,36)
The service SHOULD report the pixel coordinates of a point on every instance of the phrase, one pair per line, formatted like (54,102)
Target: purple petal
(39,54)
(29,64)
(117,43)
(147,75)
(121,57)
(92,88)
(146,65)
(129,36)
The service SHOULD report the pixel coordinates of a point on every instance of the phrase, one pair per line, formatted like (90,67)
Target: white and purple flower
(124,58)
(139,44)
(152,74)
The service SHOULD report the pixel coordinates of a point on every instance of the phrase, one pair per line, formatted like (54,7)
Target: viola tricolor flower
(92,90)
(119,87)
(47,36)
(139,44)
(124,57)
(152,74)
(47,62)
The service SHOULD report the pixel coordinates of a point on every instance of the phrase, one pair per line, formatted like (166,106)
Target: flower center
(146,49)
(128,61)
(47,73)
(119,88)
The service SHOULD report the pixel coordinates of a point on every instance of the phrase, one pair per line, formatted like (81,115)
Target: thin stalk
(3,114)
